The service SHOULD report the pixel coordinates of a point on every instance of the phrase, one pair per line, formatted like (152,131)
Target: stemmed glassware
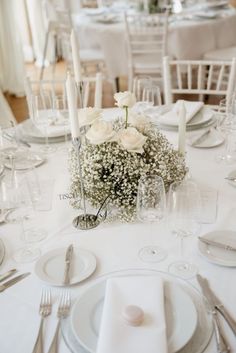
(43,115)
(16,195)
(61,114)
(184,205)
(147,94)
(226,124)
(151,208)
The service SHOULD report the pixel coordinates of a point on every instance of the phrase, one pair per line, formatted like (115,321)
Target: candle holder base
(86,222)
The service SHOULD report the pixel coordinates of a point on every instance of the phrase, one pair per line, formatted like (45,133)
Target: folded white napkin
(172,118)
(55,125)
(115,334)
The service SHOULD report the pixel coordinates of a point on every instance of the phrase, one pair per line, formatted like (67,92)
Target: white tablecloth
(116,247)
(187,39)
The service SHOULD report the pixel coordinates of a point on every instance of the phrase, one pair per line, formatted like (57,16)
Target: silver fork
(45,309)
(62,312)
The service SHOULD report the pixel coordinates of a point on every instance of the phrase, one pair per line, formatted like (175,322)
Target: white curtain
(12,71)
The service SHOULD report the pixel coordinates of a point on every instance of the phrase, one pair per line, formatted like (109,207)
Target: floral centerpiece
(117,153)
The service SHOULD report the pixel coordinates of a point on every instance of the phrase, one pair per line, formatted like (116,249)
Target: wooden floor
(19,105)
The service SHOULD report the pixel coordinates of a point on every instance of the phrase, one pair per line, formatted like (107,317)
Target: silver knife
(13,281)
(201,138)
(220,307)
(217,244)
(68,260)
(7,274)
(222,345)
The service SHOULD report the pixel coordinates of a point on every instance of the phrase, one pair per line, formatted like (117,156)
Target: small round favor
(133,315)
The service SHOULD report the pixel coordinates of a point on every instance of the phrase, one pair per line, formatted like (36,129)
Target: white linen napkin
(115,334)
(55,126)
(172,118)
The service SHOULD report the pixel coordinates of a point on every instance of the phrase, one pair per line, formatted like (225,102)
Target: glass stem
(126,117)
(181,247)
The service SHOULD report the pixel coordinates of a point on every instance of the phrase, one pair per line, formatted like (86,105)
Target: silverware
(222,345)
(13,281)
(62,312)
(68,261)
(220,307)
(217,244)
(201,138)
(4,214)
(231,178)
(45,309)
(7,274)
(9,137)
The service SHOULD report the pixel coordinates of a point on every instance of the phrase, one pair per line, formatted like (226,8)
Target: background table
(116,247)
(187,38)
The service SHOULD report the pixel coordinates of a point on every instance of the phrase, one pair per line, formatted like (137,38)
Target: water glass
(148,94)
(226,124)
(184,209)
(43,115)
(151,208)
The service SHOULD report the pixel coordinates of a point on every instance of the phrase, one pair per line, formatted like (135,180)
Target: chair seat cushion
(221,54)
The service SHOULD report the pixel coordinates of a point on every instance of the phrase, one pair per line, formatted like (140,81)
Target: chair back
(147,43)
(91,90)
(201,77)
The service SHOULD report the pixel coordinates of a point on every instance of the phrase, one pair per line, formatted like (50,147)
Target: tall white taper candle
(75,56)
(72,106)
(182,127)
(98,91)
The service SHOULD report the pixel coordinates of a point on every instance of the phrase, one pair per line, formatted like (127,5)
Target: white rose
(132,140)
(140,121)
(125,99)
(100,132)
(87,116)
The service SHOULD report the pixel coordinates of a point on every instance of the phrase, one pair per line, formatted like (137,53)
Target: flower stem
(126,117)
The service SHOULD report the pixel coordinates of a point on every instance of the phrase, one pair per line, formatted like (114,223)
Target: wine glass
(148,95)
(43,115)
(184,213)
(18,196)
(151,208)
(226,126)
(61,114)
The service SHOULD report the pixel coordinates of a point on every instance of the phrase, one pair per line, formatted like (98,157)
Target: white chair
(91,93)
(147,43)
(90,59)
(211,78)
(60,26)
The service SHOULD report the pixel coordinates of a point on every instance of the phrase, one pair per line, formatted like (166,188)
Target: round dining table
(115,246)
(190,35)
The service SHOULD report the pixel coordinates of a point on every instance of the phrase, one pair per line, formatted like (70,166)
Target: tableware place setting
(52,266)
(198,116)
(138,307)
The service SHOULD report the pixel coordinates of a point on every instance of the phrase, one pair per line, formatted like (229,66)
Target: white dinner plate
(202,117)
(181,316)
(24,160)
(213,139)
(56,132)
(50,267)
(232,175)
(215,4)
(107,19)
(2,251)
(217,255)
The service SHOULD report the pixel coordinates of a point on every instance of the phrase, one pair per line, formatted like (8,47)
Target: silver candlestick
(84,221)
